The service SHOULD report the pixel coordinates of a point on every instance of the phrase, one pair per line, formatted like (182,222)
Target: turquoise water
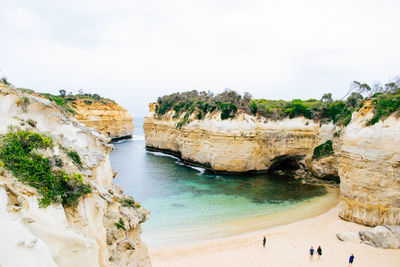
(189,203)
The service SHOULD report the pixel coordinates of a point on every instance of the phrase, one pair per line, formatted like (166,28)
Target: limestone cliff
(85,235)
(246,143)
(108,118)
(366,158)
(369,169)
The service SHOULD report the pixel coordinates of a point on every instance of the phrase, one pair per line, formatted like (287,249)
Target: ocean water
(188,203)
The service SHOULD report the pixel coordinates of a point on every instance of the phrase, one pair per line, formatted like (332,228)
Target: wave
(161,154)
(122,141)
(199,169)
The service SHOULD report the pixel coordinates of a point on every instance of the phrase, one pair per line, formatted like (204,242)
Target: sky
(136,50)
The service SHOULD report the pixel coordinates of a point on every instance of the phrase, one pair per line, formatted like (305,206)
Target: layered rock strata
(85,235)
(243,144)
(109,118)
(369,170)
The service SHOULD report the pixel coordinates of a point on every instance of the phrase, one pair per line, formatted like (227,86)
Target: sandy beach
(287,245)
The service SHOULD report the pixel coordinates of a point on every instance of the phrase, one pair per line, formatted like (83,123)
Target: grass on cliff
(230,102)
(323,150)
(128,202)
(21,153)
(74,156)
(68,102)
(120,224)
(385,105)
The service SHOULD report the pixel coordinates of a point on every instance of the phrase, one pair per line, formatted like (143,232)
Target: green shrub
(75,157)
(228,110)
(297,108)
(87,102)
(127,202)
(323,150)
(253,108)
(120,224)
(338,112)
(184,121)
(384,106)
(18,153)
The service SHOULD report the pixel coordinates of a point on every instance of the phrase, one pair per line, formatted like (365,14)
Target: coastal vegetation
(323,150)
(385,104)
(68,101)
(120,224)
(128,202)
(22,153)
(74,156)
(385,99)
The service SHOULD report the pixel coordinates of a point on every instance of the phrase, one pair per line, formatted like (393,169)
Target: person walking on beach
(311,253)
(264,241)
(351,259)
(319,252)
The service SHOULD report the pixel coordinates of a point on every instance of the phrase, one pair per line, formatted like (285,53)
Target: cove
(190,204)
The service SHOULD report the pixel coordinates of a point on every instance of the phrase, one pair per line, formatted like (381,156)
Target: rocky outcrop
(246,143)
(369,170)
(107,117)
(382,236)
(84,235)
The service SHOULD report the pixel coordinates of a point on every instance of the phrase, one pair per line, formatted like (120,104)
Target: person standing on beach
(311,253)
(264,241)
(319,252)
(351,259)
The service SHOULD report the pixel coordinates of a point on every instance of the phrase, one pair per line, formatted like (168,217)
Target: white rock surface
(75,236)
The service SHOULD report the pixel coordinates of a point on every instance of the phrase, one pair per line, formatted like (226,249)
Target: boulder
(381,236)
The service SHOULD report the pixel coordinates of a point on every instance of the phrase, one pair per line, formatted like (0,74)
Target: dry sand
(287,245)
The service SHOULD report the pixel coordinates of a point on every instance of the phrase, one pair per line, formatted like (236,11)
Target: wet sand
(287,245)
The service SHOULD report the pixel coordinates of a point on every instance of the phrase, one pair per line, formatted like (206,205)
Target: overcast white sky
(136,50)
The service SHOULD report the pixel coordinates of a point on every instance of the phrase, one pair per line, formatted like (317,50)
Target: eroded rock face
(84,235)
(369,170)
(245,143)
(109,118)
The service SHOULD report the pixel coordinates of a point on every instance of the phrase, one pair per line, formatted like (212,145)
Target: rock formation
(84,235)
(369,170)
(246,143)
(109,118)
(367,158)
(383,236)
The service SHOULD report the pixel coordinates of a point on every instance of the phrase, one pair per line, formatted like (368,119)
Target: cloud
(134,51)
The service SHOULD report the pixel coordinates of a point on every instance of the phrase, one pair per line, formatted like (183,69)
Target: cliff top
(385,99)
(66,101)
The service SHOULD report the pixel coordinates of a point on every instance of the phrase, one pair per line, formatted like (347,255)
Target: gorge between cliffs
(70,198)
(363,155)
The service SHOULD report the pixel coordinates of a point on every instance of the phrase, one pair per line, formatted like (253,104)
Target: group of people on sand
(319,252)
